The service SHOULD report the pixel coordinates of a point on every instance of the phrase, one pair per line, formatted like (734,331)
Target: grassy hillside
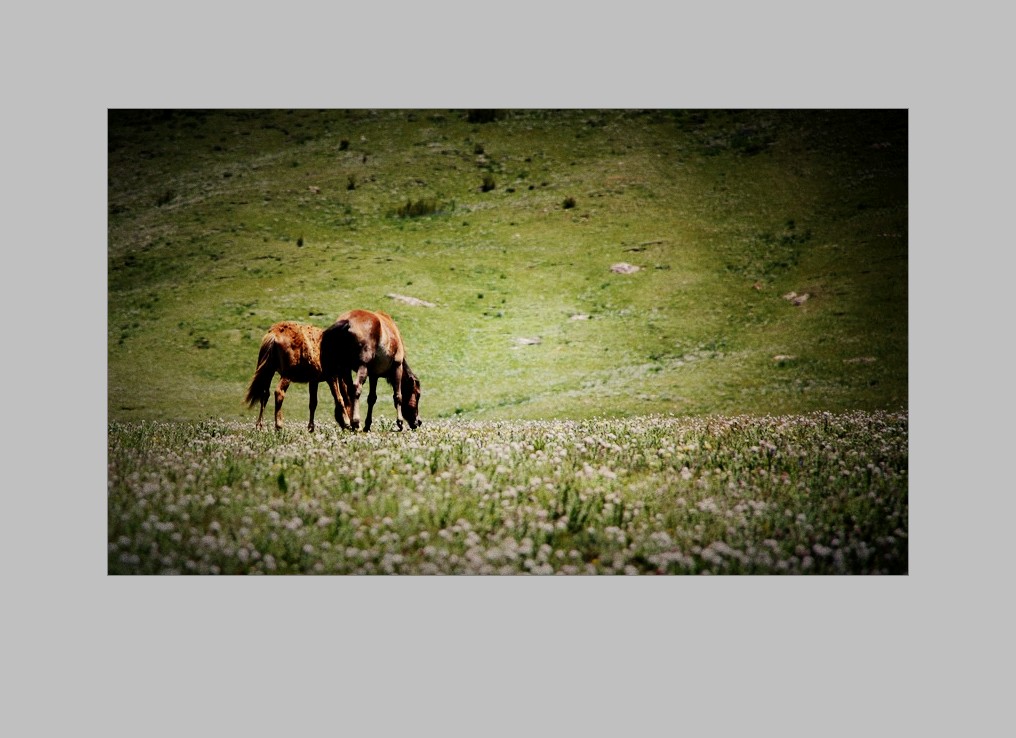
(224,222)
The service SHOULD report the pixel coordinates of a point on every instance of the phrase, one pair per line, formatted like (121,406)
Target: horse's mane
(409,372)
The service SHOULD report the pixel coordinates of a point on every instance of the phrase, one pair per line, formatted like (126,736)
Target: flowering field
(818,493)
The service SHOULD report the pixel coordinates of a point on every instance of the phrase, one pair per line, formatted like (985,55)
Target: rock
(624,268)
(414,301)
(579,316)
(521,341)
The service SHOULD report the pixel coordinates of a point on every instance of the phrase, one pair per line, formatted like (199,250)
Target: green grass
(224,222)
(818,494)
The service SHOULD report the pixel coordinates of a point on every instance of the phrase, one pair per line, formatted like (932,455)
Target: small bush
(343,145)
(488,183)
(569,202)
(482,116)
(418,208)
(351,182)
(165,198)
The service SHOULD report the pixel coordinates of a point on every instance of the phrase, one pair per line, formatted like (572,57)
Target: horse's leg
(397,395)
(371,397)
(347,396)
(337,386)
(361,376)
(313,404)
(280,395)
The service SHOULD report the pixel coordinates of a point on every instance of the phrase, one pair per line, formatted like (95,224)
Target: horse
(369,344)
(294,351)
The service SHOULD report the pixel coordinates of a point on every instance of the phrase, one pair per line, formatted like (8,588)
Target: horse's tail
(261,383)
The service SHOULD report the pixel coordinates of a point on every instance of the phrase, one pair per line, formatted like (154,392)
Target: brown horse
(370,345)
(294,351)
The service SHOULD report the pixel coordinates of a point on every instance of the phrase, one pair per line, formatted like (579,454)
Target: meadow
(819,493)
(649,341)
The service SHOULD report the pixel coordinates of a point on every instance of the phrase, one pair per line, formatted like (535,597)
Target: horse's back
(298,350)
(373,339)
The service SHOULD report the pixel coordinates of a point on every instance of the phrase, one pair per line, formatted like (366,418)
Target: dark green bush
(482,116)
(418,208)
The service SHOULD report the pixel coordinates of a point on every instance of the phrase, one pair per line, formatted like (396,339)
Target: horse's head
(411,398)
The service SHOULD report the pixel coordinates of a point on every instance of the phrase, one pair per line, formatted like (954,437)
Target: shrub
(418,208)
(488,183)
(343,145)
(569,202)
(482,116)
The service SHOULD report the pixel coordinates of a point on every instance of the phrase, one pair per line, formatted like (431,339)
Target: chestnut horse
(369,344)
(294,351)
